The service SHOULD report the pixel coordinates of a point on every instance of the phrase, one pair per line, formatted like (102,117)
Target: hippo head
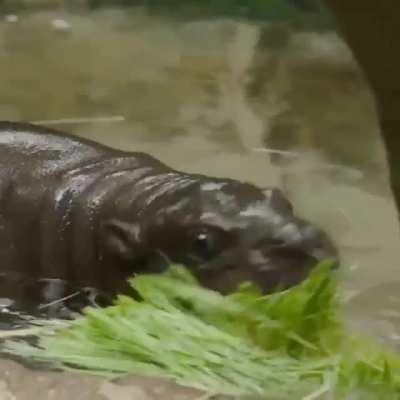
(227,232)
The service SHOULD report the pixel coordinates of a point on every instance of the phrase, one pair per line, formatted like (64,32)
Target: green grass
(288,345)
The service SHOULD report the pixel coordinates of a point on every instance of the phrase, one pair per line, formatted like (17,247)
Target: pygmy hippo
(77,214)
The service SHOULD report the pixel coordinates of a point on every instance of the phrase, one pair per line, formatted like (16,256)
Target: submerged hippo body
(74,214)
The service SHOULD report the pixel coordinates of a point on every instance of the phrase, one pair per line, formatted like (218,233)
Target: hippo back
(51,186)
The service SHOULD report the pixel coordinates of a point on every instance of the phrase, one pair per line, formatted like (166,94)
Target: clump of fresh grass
(287,345)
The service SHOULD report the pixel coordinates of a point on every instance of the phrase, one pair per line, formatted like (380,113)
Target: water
(216,95)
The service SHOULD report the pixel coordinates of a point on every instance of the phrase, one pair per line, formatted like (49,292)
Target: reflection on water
(208,95)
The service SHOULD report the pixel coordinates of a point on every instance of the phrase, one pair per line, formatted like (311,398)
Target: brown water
(216,96)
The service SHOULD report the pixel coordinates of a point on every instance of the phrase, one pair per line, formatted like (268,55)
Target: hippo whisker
(164,256)
(58,301)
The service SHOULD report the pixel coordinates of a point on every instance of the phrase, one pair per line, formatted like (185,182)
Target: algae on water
(287,345)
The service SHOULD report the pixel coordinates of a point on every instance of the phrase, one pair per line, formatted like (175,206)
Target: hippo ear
(120,238)
(277,200)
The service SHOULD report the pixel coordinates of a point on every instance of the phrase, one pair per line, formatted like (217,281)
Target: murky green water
(216,95)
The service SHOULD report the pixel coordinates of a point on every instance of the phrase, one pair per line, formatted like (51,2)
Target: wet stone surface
(20,383)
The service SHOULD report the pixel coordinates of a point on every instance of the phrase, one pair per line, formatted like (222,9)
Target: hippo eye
(204,244)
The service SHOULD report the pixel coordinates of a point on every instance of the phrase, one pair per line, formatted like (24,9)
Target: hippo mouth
(285,268)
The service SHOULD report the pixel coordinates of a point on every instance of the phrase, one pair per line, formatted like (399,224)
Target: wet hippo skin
(77,214)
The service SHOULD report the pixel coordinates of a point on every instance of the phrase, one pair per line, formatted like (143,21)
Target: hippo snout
(299,235)
(275,262)
(296,249)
